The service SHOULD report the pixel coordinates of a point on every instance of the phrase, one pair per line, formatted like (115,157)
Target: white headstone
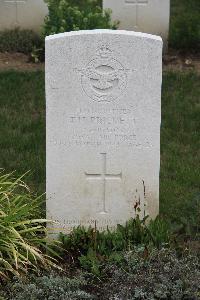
(26,14)
(151,16)
(103,94)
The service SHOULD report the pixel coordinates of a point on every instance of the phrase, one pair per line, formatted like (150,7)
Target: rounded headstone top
(104,31)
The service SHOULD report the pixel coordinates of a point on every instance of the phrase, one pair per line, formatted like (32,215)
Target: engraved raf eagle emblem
(101,80)
(104,78)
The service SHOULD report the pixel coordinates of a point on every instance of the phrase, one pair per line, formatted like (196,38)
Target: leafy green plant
(159,232)
(91,262)
(22,234)
(91,248)
(70,15)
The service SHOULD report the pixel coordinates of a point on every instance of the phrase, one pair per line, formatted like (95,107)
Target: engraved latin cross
(137,4)
(103,177)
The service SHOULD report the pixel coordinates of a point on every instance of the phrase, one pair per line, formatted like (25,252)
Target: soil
(19,62)
(175,61)
(172,61)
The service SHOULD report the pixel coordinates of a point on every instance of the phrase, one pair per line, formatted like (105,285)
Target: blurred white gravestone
(151,16)
(103,94)
(26,14)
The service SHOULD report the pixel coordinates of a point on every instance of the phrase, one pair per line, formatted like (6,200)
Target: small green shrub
(70,15)
(22,233)
(18,40)
(91,248)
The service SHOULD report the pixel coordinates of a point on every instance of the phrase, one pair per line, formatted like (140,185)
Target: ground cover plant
(162,275)
(48,287)
(159,275)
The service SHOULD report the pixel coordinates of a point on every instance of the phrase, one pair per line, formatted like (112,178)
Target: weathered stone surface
(151,16)
(26,14)
(103,94)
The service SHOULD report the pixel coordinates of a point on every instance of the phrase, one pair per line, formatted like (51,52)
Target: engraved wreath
(104,78)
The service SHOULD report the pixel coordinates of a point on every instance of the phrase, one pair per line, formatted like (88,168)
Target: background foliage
(18,40)
(70,15)
(184,32)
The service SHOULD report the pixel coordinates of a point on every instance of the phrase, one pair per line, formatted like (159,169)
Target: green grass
(180,147)
(22,125)
(22,132)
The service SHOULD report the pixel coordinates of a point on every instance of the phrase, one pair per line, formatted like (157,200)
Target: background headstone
(151,16)
(103,94)
(26,14)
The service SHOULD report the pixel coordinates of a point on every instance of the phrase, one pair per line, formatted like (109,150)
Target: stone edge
(104,31)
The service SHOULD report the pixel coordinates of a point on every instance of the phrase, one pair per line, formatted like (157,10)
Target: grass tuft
(22,232)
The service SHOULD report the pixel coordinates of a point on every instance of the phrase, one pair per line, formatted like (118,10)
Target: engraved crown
(104,51)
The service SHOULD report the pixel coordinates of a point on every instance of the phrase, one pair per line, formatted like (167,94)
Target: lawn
(180,144)
(22,131)
(22,125)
